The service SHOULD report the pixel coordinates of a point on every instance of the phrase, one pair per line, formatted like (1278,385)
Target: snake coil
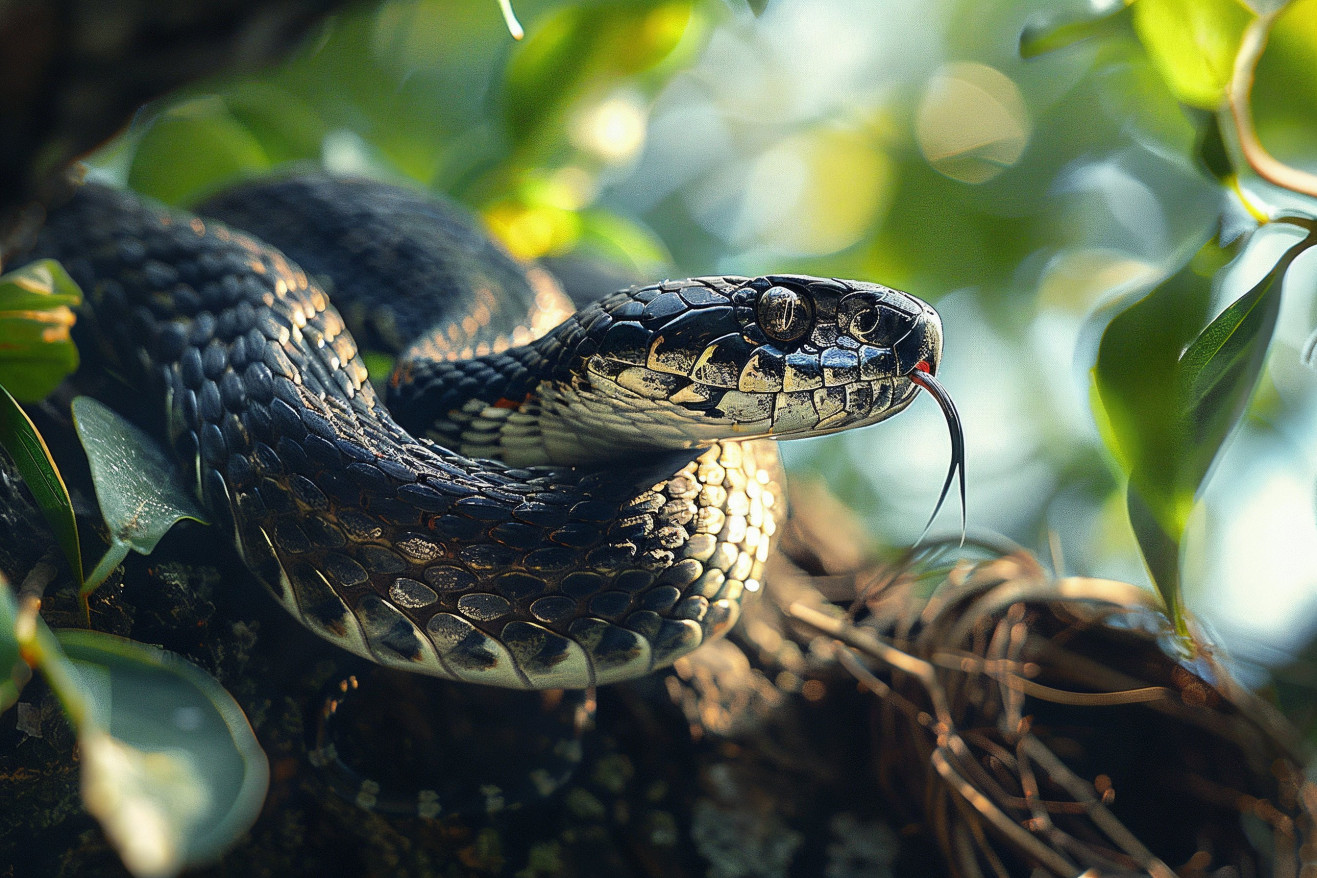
(627,515)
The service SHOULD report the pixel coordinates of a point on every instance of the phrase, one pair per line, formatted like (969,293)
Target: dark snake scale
(626,518)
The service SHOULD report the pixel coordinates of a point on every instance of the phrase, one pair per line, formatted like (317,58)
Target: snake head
(835,353)
(683,363)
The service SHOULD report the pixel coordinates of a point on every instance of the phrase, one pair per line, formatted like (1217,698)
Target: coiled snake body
(627,517)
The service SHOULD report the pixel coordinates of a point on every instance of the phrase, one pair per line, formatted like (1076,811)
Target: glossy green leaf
(1161,551)
(1169,395)
(139,489)
(191,149)
(1193,43)
(14,671)
(170,765)
(1136,381)
(28,450)
(36,352)
(1221,368)
(1056,31)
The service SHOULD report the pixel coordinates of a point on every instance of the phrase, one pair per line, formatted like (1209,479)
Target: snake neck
(561,399)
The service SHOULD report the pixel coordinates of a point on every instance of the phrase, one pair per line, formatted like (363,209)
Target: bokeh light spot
(972,123)
(612,130)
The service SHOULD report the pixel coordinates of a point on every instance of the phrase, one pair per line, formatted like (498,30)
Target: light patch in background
(612,129)
(1259,555)
(1076,280)
(1121,212)
(972,122)
(806,195)
(771,108)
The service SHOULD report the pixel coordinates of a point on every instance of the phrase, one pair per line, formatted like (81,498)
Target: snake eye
(784,314)
(864,319)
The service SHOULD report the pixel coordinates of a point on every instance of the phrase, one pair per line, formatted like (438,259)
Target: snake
(539,497)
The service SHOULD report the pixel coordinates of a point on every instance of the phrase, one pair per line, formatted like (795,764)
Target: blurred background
(877,139)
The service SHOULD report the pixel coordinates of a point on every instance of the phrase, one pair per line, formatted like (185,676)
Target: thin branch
(1238,92)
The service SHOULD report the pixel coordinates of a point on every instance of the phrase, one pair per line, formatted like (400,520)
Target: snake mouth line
(922,375)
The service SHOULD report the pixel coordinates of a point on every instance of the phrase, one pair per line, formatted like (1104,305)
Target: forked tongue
(925,379)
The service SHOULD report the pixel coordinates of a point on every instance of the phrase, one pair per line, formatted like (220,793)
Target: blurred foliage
(36,311)
(1038,200)
(169,765)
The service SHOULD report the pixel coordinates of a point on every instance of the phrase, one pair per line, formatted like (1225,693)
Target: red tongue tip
(923,366)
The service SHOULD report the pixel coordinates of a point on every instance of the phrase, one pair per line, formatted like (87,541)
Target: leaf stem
(112,558)
(510,18)
(39,649)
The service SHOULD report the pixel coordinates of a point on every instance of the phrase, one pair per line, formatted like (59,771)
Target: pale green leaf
(1193,43)
(14,671)
(189,150)
(139,489)
(170,766)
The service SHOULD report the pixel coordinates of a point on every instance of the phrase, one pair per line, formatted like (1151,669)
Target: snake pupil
(785,315)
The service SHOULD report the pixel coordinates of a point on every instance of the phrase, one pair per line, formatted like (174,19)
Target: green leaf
(19,437)
(1136,381)
(1221,368)
(1193,44)
(191,149)
(170,766)
(36,352)
(139,489)
(1168,395)
(1056,31)
(285,126)
(1135,373)
(1161,553)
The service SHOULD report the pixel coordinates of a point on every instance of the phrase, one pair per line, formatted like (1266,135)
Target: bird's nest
(1057,727)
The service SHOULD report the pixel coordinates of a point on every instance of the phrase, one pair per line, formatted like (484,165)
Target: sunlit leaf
(1284,103)
(170,766)
(36,352)
(1136,383)
(1056,31)
(139,489)
(28,450)
(1170,395)
(1193,43)
(191,148)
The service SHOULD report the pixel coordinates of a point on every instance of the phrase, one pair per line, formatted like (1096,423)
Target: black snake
(627,516)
